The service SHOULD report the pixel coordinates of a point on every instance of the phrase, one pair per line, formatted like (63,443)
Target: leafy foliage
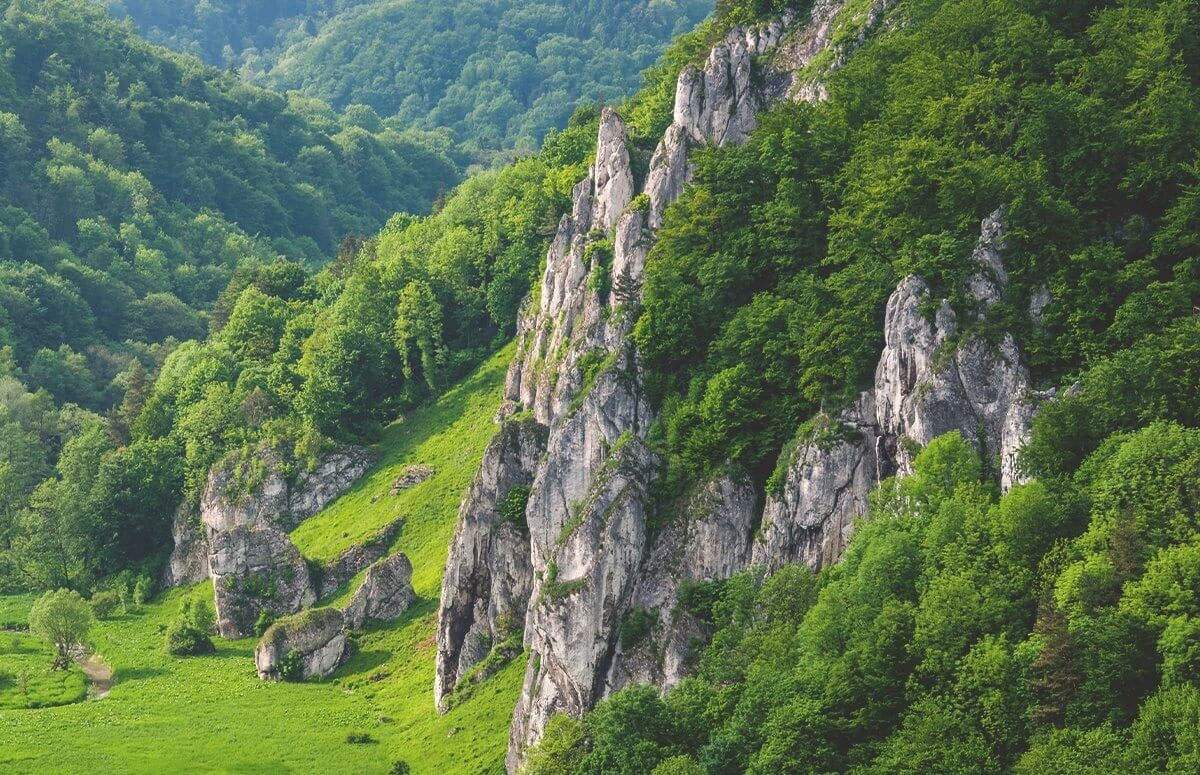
(765,291)
(189,636)
(62,618)
(498,75)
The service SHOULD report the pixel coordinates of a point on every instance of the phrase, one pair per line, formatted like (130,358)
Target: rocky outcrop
(256,570)
(584,552)
(710,540)
(238,537)
(587,527)
(932,378)
(489,578)
(301,647)
(386,592)
(833,468)
(411,476)
(188,563)
(276,500)
(352,561)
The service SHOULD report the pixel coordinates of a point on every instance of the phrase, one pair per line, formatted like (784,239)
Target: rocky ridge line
(584,543)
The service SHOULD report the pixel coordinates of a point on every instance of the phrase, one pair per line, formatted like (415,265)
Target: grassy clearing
(26,680)
(212,714)
(14,611)
(448,435)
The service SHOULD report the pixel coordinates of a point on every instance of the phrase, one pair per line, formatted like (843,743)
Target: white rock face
(587,555)
(980,388)
(189,557)
(587,529)
(828,480)
(613,175)
(256,570)
(276,502)
(489,578)
(386,592)
(711,542)
(318,638)
(929,381)
(240,539)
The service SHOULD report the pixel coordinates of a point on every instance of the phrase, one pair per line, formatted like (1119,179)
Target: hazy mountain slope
(500,73)
(133,182)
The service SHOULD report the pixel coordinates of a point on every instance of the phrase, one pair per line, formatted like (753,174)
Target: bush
(143,589)
(359,738)
(635,626)
(400,767)
(699,597)
(105,602)
(263,623)
(291,668)
(512,507)
(189,635)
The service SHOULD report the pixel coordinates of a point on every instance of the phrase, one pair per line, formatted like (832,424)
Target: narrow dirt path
(99,674)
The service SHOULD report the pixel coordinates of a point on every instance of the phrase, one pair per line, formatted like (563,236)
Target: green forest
(498,74)
(332,239)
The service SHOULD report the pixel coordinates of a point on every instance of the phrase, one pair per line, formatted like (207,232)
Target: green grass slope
(26,680)
(212,714)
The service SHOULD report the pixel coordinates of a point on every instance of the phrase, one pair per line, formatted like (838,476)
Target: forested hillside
(226,34)
(134,183)
(850,421)
(499,73)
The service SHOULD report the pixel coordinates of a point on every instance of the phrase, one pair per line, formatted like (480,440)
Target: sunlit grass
(212,714)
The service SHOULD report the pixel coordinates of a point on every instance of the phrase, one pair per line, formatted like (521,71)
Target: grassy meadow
(212,714)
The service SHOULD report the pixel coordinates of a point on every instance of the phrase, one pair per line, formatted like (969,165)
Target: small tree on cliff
(63,618)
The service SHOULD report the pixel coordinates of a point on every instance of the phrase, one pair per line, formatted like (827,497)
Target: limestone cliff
(581,557)
(238,535)
(932,378)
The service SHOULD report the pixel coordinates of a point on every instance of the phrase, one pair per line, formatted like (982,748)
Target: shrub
(400,767)
(512,507)
(189,634)
(359,738)
(263,623)
(291,668)
(699,597)
(143,589)
(105,602)
(635,626)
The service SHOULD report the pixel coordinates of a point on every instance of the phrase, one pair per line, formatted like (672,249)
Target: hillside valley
(827,403)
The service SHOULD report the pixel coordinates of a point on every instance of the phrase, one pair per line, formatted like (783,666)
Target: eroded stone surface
(317,637)
(350,562)
(188,563)
(828,480)
(256,570)
(709,541)
(386,592)
(575,373)
(488,579)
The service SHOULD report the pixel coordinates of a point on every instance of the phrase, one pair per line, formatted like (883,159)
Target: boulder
(386,592)
(411,476)
(308,645)
(352,561)
(256,570)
